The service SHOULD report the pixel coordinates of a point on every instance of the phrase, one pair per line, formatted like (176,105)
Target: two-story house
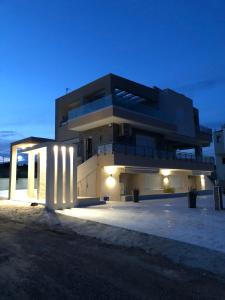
(132,136)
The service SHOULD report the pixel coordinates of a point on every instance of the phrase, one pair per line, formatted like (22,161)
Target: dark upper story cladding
(113,99)
(106,85)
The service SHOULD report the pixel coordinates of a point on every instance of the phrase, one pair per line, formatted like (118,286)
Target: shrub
(169,190)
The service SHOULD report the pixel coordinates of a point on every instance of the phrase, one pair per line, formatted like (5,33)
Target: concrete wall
(95,180)
(87,178)
(219,146)
(100,135)
(180,110)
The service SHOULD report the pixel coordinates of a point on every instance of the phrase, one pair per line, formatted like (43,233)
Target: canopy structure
(56,171)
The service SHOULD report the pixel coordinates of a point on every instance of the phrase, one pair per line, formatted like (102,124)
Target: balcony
(115,108)
(205,130)
(148,157)
(204,134)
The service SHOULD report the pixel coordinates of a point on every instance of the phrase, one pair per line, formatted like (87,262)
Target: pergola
(56,171)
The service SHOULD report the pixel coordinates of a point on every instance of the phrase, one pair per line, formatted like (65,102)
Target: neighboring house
(114,135)
(132,136)
(219,145)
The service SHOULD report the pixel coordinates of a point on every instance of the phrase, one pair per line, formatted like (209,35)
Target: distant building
(125,136)
(219,145)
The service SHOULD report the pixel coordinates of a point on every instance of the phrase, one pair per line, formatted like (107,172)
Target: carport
(56,172)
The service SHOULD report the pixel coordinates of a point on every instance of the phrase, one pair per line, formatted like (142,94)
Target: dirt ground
(38,262)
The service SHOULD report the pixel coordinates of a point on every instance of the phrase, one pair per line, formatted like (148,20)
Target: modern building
(219,145)
(125,136)
(132,136)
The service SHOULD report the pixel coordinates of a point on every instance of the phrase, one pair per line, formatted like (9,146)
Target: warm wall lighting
(165,172)
(55,148)
(110,170)
(110,182)
(71,150)
(63,149)
(202,178)
(165,181)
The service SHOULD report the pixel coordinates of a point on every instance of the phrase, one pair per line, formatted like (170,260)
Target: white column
(59,201)
(13,170)
(61,178)
(51,176)
(31,174)
(74,179)
(42,174)
(68,177)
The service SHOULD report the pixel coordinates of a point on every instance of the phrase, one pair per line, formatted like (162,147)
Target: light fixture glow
(55,148)
(71,150)
(110,170)
(165,172)
(165,180)
(63,148)
(110,182)
(202,179)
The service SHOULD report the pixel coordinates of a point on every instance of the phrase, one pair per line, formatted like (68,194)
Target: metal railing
(152,153)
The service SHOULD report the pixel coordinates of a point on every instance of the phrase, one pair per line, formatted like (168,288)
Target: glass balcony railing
(205,130)
(90,107)
(120,102)
(151,153)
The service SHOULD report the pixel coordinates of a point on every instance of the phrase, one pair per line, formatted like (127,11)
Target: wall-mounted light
(165,172)
(110,170)
(110,182)
(165,181)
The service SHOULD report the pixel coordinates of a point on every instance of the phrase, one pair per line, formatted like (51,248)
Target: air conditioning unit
(125,129)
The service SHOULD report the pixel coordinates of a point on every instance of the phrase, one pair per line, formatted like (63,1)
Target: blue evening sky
(49,45)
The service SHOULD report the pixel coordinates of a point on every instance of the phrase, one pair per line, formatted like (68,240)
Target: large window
(145,141)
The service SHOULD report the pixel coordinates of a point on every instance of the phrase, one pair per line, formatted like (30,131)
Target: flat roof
(31,140)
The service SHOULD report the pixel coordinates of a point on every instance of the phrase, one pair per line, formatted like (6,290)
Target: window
(218,138)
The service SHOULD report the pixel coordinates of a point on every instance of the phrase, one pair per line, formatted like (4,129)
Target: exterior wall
(97,179)
(100,135)
(110,185)
(87,178)
(219,145)
(180,110)
(220,167)
(75,99)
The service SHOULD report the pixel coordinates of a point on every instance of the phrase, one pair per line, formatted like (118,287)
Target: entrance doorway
(88,147)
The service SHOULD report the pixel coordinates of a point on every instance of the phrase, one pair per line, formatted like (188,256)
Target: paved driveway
(168,218)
